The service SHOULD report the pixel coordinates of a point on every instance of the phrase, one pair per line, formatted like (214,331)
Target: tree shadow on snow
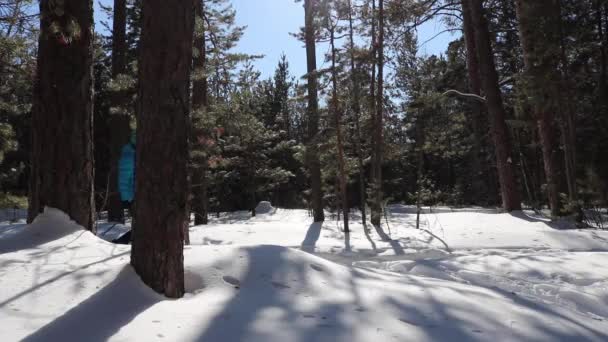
(278,300)
(562,223)
(532,218)
(39,286)
(266,304)
(8,229)
(103,314)
(458,322)
(21,236)
(395,245)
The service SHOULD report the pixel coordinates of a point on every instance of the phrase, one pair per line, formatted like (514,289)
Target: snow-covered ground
(468,275)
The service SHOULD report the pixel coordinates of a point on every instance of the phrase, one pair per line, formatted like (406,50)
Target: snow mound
(264,207)
(52,227)
(55,219)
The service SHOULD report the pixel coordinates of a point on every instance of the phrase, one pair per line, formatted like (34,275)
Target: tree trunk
(421,172)
(372,96)
(479,123)
(603,77)
(337,121)
(312,150)
(568,126)
(356,108)
(118,122)
(62,166)
(200,198)
(200,104)
(377,148)
(162,144)
(498,126)
(540,40)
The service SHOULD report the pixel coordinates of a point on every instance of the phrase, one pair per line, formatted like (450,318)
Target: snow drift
(63,283)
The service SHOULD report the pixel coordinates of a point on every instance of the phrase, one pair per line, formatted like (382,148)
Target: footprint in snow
(407,321)
(317,268)
(417,324)
(279,285)
(232,281)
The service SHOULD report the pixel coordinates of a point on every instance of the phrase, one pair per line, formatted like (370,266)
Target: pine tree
(162,145)
(356,110)
(62,166)
(378,122)
(280,96)
(498,126)
(479,123)
(18,37)
(200,105)
(280,119)
(214,72)
(312,153)
(119,121)
(331,25)
(540,39)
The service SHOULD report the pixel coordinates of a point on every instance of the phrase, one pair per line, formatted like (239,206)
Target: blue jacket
(126,173)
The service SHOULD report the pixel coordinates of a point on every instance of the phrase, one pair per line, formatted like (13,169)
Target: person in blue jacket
(126,173)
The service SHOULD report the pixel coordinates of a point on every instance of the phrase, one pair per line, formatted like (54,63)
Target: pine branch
(468,95)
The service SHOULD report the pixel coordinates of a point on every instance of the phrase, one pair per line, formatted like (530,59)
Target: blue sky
(270,22)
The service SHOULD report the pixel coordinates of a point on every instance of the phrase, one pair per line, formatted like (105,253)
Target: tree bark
(378,137)
(603,77)
(540,40)
(356,108)
(162,144)
(62,165)
(568,124)
(498,126)
(312,150)
(372,96)
(200,104)
(337,121)
(118,122)
(479,123)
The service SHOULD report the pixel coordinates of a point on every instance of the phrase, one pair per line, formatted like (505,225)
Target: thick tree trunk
(162,144)
(378,138)
(479,123)
(356,108)
(337,121)
(312,150)
(200,104)
(498,126)
(118,122)
(62,166)
(540,39)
